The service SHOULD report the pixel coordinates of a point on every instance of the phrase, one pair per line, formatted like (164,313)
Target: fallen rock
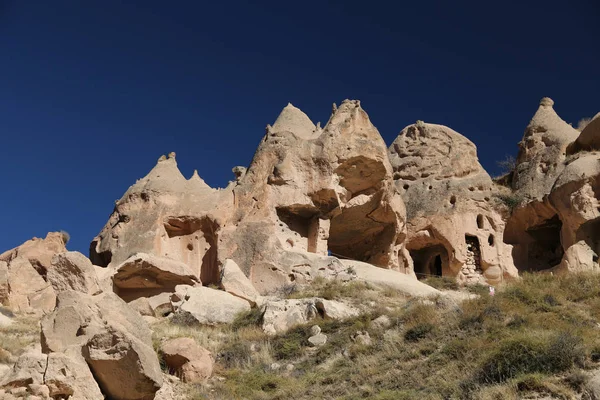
(281,315)
(73,271)
(234,281)
(68,377)
(404,284)
(208,306)
(113,339)
(145,275)
(27,290)
(186,359)
(318,340)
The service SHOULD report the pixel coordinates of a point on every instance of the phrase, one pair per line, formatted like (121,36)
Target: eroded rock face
(23,274)
(453,226)
(542,152)
(144,275)
(307,191)
(208,306)
(104,334)
(186,359)
(557,230)
(73,271)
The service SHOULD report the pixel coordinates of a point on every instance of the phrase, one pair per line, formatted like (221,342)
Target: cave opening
(544,249)
(194,241)
(429,261)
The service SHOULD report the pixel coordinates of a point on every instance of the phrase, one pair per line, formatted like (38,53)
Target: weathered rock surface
(542,152)
(453,226)
(73,271)
(186,359)
(103,333)
(144,275)
(558,230)
(281,315)
(39,252)
(208,306)
(234,281)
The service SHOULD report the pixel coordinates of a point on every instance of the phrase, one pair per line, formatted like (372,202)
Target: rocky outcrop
(556,230)
(208,306)
(104,335)
(542,152)
(145,275)
(453,226)
(234,282)
(307,192)
(73,271)
(281,315)
(23,274)
(186,359)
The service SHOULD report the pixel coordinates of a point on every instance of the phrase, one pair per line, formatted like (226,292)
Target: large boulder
(281,315)
(25,290)
(208,306)
(73,271)
(186,359)
(234,281)
(145,275)
(39,252)
(111,339)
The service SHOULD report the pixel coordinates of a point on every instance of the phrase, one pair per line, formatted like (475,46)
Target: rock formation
(453,226)
(556,180)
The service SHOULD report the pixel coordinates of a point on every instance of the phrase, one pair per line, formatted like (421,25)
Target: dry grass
(535,337)
(14,338)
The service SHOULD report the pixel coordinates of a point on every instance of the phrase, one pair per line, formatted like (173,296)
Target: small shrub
(253,317)
(583,123)
(291,344)
(184,319)
(441,282)
(418,332)
(65,236)
(529,355)
(511,201)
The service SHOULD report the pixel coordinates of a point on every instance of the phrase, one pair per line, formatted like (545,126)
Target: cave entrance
(194,242)
(545,249)
(429,261)
(355,236)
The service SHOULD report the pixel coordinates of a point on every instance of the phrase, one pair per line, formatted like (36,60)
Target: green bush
(290,344)
(253,317)
(531,354)
(418,332)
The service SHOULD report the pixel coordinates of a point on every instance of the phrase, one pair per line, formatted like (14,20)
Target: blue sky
(93,92)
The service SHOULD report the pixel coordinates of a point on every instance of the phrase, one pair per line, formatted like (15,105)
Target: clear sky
(93,92)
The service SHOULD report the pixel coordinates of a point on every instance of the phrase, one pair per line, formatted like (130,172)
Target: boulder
(73,271)
(589,139)
(39,252)
(145,275)
(114,341)
(67,377)
(281,315)
(27,290)
(234,281)
(210,307)
(186,359)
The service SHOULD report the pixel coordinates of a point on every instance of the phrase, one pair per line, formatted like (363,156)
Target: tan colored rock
(67,377)
(403,283)
(108,335)
(73,271)
(234,281)
(28,291)
(38,251)
(589,139)
(186,359)
(453,226)
(210,307)
(29,369)
(542,152)
(307,191)
(281,315)
(144,275)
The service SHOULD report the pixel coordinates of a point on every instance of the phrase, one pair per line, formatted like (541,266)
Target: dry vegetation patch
(536,336)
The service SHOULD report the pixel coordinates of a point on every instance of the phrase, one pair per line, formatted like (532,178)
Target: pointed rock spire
(292,119)
(164,177)
(195,183)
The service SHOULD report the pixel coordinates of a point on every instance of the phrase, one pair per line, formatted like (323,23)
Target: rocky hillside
(331,267)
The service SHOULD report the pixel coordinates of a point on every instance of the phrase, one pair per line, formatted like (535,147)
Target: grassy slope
(535,336)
